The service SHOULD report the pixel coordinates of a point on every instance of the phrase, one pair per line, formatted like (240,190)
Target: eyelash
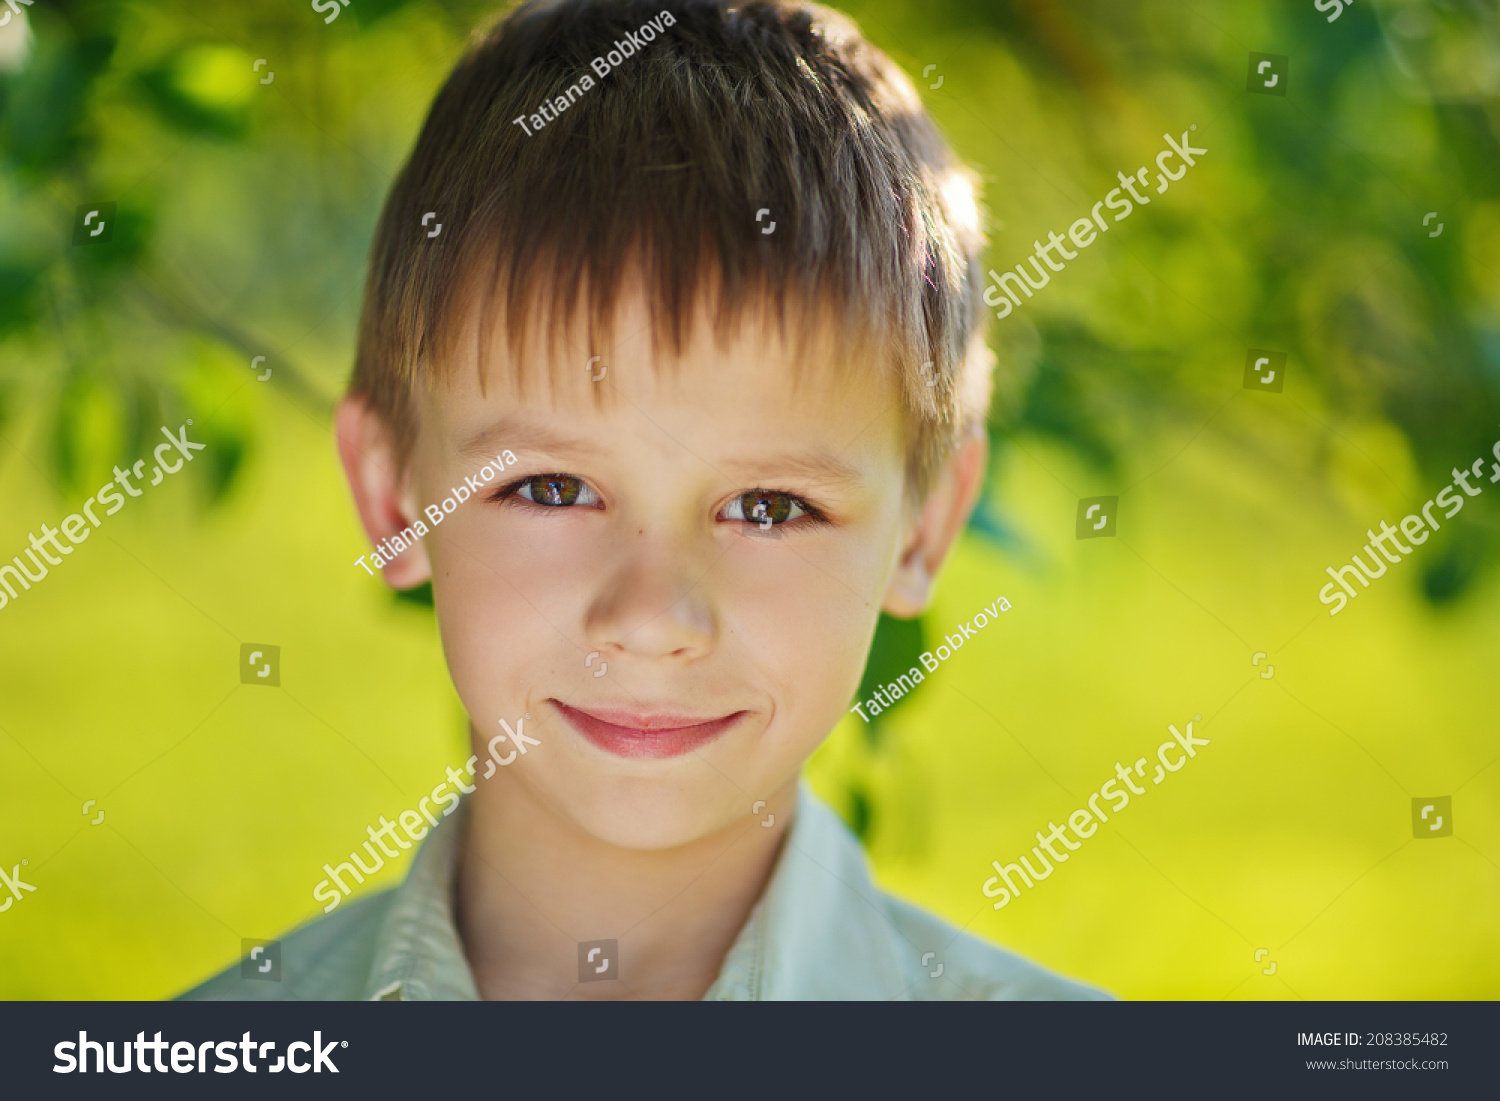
(812,515)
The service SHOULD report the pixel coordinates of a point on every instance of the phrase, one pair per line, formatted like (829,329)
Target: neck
(532,886)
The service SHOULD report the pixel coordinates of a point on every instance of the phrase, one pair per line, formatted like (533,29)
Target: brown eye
(760,507)
(764,507)
(556,490)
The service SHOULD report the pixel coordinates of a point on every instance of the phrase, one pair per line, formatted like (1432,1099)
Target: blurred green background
(245,207)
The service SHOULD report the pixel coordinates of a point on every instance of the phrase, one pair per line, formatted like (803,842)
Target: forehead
(784,385)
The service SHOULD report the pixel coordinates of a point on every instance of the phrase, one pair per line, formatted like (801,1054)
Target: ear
(931,533)
(381,492)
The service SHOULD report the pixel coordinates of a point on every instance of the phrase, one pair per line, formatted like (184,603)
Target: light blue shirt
(820,931)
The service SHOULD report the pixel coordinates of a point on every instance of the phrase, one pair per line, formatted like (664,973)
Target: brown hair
(659,164)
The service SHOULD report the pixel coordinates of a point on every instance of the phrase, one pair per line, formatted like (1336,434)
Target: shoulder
(970,969)
(328,959)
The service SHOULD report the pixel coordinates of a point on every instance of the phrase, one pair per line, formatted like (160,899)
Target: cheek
(804,612)
(505,598)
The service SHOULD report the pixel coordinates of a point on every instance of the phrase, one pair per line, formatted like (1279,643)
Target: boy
(709,276)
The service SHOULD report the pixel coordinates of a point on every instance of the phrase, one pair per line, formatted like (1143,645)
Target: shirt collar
(818,931)
(418,955)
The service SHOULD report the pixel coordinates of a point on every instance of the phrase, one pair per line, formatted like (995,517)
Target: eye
(765,507)
(555,491)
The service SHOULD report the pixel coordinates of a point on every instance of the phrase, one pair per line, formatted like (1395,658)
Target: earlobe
(379,487)
(938,521)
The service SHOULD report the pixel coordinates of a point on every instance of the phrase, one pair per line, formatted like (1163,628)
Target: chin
(641,814)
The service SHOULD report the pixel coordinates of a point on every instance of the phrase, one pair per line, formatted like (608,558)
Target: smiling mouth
(642,734)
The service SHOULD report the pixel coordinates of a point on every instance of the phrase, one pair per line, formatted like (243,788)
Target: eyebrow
(518,436)
(822,468)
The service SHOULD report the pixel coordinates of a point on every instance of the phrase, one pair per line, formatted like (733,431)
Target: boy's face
(678,585)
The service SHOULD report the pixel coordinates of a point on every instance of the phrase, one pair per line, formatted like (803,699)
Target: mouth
(644,733)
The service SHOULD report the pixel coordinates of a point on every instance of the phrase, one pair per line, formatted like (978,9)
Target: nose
(655,603)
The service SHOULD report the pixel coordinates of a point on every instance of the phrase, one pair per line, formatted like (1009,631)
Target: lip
(645,733)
